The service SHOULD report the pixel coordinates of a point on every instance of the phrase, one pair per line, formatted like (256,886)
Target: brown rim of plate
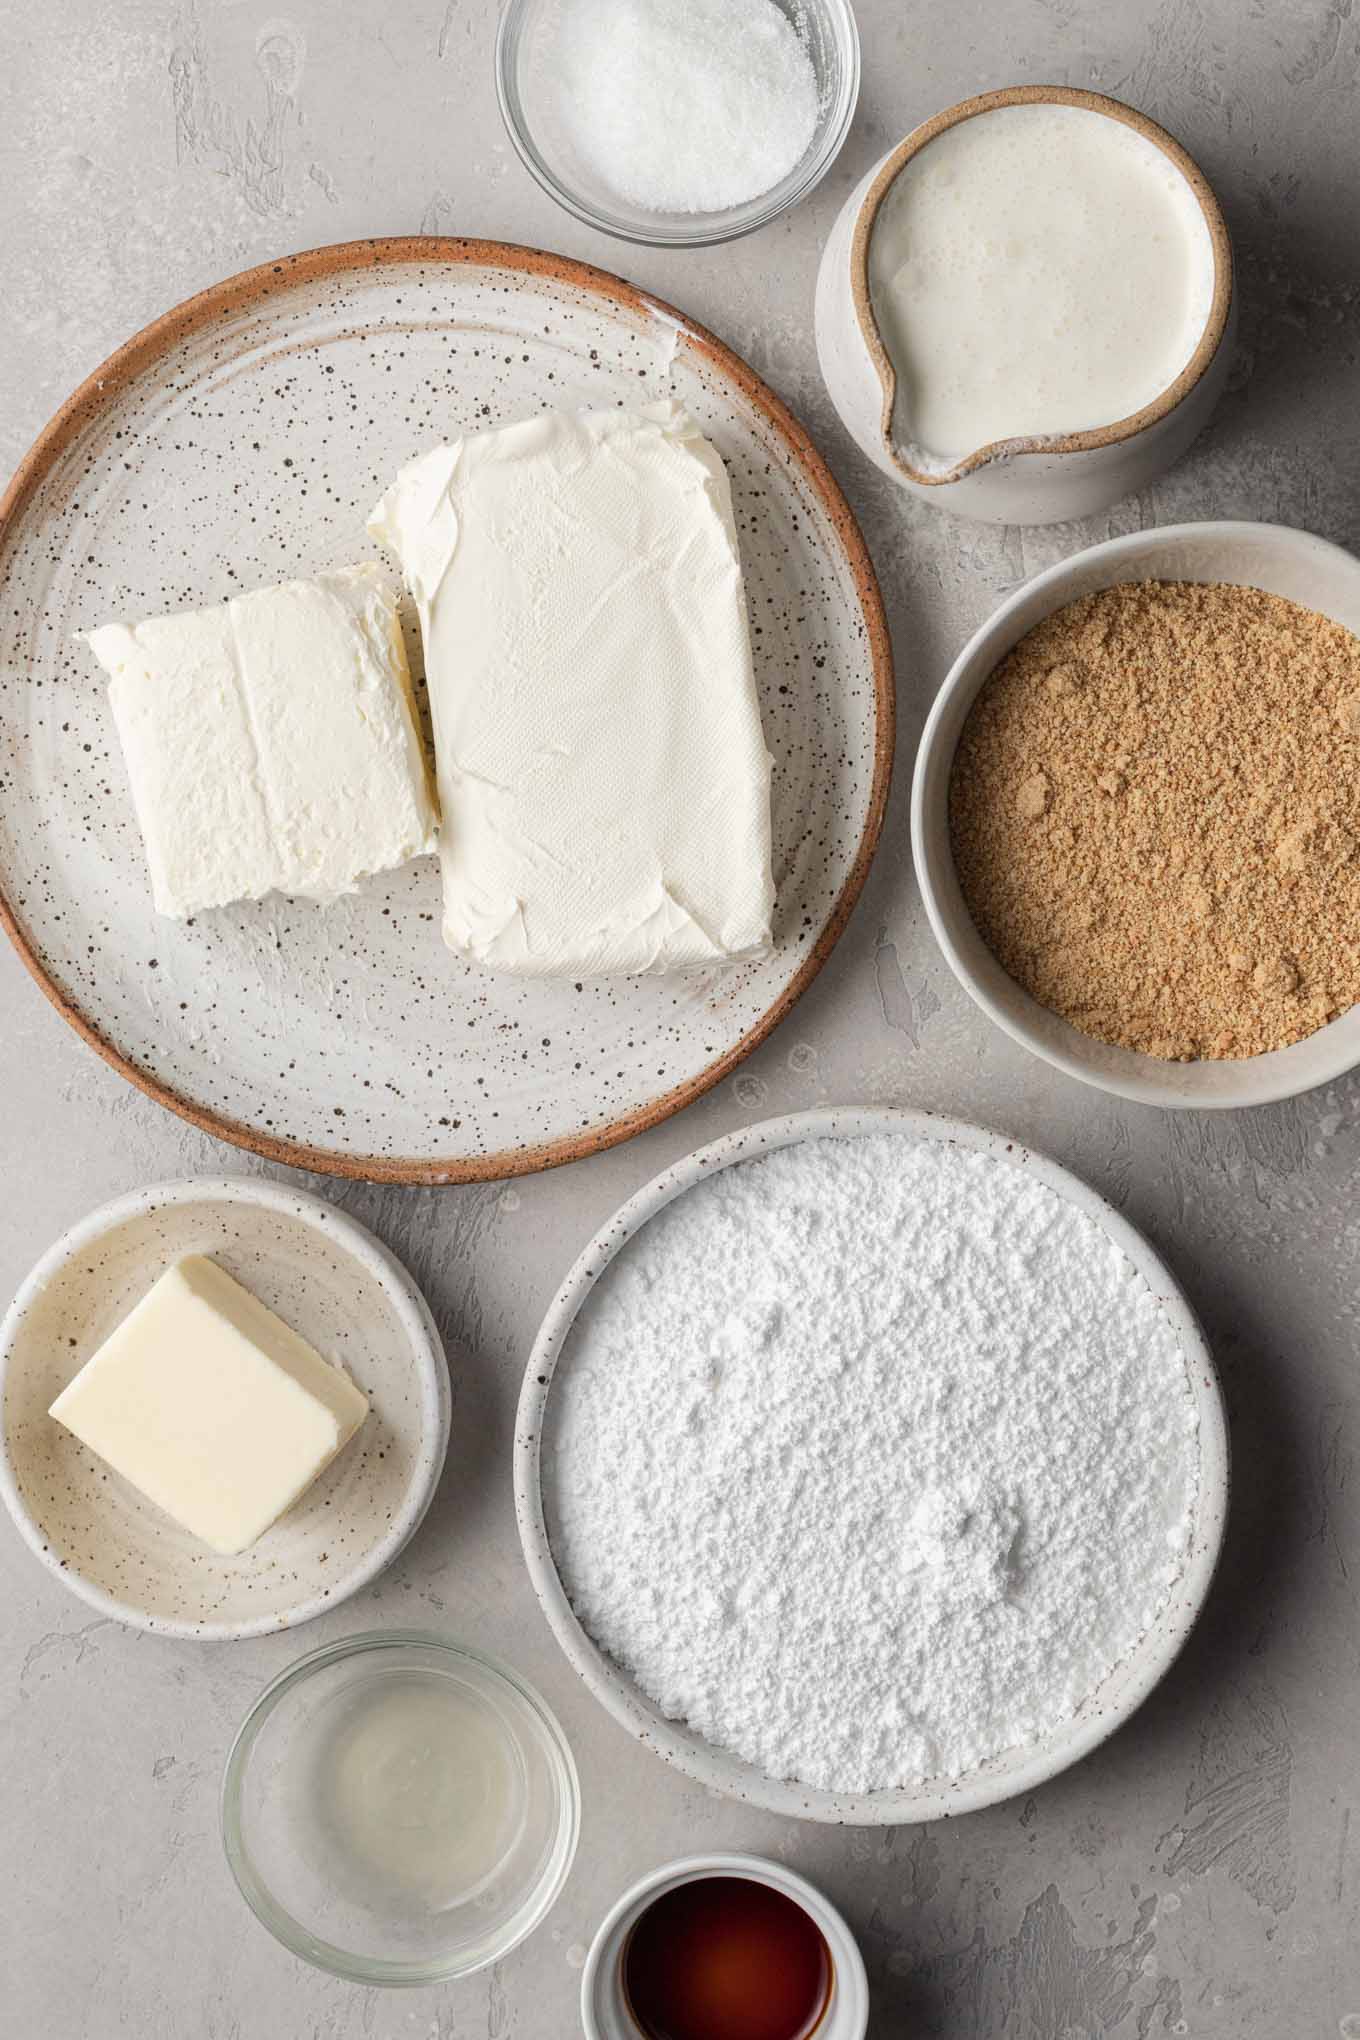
(1070,442)
(269,278)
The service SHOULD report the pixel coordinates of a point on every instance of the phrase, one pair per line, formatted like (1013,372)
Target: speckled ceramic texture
(1013,1772)
(335,1284)
(243,439)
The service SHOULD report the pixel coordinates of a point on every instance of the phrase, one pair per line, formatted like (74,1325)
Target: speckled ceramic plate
(242,439)
(1012,1771)
(326,1276)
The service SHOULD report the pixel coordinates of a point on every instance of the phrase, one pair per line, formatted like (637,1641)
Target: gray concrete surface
(1201,1874)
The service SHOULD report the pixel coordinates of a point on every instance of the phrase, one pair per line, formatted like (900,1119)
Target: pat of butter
(219,1412)
(271,743)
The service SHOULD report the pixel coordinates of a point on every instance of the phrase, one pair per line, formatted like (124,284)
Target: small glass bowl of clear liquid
(399,1809)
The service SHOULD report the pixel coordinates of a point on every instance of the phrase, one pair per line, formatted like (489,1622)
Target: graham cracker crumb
(1033,798)
(1155,813)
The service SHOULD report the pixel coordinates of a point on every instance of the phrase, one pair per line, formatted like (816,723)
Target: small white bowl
(1013,1771)
(326,1276)
(1284,562)
(604,2009)
(1032,480)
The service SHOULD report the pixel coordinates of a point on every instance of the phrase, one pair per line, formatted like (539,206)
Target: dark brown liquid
(725,1958)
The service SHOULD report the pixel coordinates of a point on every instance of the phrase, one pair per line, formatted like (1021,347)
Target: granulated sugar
(870,1459)
(686,105)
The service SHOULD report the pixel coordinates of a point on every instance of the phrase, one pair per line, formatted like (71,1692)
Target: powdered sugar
(870,1459)
(686,105)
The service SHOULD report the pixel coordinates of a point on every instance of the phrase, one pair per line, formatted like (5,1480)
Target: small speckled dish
(1013,1771)
(326,1276)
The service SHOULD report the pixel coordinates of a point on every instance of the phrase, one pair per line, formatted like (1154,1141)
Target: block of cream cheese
(271,742)
(219,1412)
(601,767)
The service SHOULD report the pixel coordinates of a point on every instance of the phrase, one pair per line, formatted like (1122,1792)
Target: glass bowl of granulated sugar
(677,123)
(869,1467)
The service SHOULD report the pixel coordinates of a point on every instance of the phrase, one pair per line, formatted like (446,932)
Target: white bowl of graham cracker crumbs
(1189,885)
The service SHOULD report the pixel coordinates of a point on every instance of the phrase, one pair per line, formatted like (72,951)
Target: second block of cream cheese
(271,742)
(602,773)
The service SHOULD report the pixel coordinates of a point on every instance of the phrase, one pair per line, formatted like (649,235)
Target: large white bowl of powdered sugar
(870,1467)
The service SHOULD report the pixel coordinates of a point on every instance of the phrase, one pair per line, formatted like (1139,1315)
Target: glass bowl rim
(328,1955)
(710,229)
